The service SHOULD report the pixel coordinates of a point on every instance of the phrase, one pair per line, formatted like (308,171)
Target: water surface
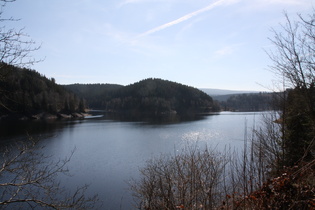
(108,152)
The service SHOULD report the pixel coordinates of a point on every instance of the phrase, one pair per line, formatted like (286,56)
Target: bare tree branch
(191,179)
(15,45)
(29,178)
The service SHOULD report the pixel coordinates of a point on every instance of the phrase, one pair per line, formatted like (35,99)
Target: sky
(219,44)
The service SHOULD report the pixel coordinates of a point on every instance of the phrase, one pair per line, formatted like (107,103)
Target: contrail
(184,18)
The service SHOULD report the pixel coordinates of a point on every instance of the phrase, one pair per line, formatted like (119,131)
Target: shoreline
(43,116)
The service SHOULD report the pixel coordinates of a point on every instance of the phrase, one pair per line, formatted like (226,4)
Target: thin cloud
(293,2)
(257,4)
(227,50)
(186,17)
(224,51)
(128,2)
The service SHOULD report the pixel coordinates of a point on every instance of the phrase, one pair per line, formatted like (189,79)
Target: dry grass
(294,189)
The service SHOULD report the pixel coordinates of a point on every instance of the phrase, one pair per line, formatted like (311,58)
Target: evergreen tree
(294,60)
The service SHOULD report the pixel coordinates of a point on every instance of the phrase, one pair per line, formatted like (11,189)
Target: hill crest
(151,96)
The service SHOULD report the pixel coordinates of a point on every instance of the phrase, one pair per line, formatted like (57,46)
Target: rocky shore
(43,116)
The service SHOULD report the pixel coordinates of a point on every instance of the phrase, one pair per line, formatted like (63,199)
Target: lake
(110,151)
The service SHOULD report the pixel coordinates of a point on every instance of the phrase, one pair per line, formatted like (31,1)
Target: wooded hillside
(27,92)
(149,96)
(96,95)
(161,96)
(249,102)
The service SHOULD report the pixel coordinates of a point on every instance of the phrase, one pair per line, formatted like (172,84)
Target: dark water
(110,151)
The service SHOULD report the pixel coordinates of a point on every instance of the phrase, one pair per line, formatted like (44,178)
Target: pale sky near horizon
(217,44)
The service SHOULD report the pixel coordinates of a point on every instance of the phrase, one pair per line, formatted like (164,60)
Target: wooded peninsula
(26,94)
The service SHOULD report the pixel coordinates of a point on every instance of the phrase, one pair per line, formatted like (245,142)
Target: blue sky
(201,43)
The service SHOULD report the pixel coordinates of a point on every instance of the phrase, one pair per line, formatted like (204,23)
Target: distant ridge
(218,92)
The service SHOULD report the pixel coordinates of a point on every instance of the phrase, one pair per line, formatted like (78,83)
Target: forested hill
(248,102)
(149,96)
(25,92)
(96,95)
(161,96)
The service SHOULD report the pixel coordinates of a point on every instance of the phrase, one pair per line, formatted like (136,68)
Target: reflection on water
(109,149)
(153,119)
(16,129)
